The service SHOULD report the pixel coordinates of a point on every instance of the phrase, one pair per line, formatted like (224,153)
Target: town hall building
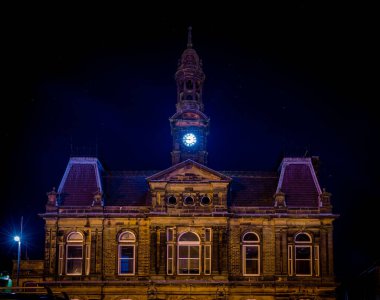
(189,231)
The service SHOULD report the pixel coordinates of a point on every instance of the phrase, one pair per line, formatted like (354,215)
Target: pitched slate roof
(126,188)
(252,188)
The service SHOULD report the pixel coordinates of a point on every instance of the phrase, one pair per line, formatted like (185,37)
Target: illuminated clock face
(189,139)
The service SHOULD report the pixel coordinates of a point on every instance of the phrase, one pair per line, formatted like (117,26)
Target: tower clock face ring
(189,139)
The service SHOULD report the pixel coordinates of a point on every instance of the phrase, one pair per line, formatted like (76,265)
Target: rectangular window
(303,260)
(251,257)
(74,260)
(170,259)
(170,242)
(60,259)
(88,257)
(188,259)
(207,259)
(316,261)
(290,260)
(126,259)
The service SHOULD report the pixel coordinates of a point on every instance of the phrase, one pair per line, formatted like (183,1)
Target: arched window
(251,254)
(126,261)
(303,254)
(189,249)
(74,253)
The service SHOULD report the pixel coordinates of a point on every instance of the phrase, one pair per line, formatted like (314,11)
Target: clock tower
(189,125)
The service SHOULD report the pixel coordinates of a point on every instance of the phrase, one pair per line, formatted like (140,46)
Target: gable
(189,171)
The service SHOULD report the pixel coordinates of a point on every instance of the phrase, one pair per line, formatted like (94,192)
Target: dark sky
(288,79)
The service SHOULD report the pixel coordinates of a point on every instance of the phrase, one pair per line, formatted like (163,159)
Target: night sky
(281,80)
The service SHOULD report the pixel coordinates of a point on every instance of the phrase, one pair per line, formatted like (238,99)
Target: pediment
(188,171)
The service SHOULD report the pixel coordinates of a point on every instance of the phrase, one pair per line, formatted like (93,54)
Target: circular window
(189,200)
(205,201)
(172,200)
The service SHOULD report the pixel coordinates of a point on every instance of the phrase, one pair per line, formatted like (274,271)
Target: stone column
(330,251)
(278,261)
(323,252)
(284,252)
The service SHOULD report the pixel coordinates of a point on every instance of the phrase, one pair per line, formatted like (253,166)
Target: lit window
(189,254)
(303,254)
(126,265)
(251,254)
(74,254)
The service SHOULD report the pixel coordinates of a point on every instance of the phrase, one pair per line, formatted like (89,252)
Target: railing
(37,292)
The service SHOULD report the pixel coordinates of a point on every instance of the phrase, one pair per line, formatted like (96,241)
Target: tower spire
(189,41)
(189,125)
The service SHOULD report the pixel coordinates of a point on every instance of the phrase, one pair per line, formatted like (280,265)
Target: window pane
(74,266)
(250,237)
(170,266)
(303,267)
(183,252)
(126,266)
(194,251)
(251,252)
(126,252)
(302,238)
(194,266)
(208,266)
(303,252)
(74,251)
(75,236)
(188,236)
(252,267)
(127,236)
(170,252)
(207,251)
(183,266)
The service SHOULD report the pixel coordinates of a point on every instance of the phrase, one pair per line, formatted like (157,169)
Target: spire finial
(189,42)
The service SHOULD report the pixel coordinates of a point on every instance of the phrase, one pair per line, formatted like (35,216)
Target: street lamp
(18,240)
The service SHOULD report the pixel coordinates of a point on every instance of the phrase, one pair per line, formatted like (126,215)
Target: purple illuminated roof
(85,176)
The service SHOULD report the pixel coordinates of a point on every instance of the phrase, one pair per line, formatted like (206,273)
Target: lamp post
(18,240)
